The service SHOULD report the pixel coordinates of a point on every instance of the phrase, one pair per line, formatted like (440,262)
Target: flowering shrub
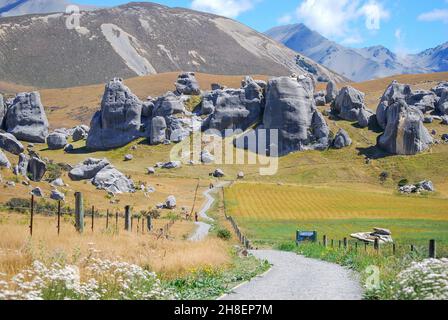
(425,280)
(105,279)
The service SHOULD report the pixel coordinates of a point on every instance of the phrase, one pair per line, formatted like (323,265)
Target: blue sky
(404,26)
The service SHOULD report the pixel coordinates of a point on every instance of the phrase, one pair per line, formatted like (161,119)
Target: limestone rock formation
(320,98)
(342,140)
(26,118)
(80,133)
(22,166)
(218,173)
(170,202)
(405,133)
(113,181)
(442,105)
(380,234)
(158,131)
(365,117)
(118,122)
(168,104)
(36,169)
(291,110)
(331,92)
(87,169)
(349,103)
(9,143)
(187,84)
(56,141)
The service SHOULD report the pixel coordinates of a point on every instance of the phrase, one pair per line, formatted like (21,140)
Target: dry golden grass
(171,257)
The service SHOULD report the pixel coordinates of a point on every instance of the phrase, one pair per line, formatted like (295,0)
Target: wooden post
(394,249)
(116,221)
(138,224)
(412,248)
(149,223)
(324,241)
(339,244)
(59,217)
(365,246)
(376,245)
(107,219)
(143,225)
(79,212)
(127,218)
(31,214)
(345,243)
(432,249)
(93,217)
(356,246)
(332,243)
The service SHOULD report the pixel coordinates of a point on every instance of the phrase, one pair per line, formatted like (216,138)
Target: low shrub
(224,234)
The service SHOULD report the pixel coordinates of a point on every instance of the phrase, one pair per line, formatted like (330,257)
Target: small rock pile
(418,188)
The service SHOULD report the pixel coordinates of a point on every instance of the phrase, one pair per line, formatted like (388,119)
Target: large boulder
(118,122)
(291,110)
(405,133)
(187,84)
(157,131)
(170,202)
(80,133)
(168,104)
(4,162)
(36,169)
(442,105)
(234,108)
(87,169)
(26,118)
(331,92)
(440,88)
(57,195)
(424,100)
(349,103)
(341,140)
(113,181)
(9,143)
(365,118)
(56,141)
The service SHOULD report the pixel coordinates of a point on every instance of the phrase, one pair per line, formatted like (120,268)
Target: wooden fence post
(339,243)
(127,218)
(376,245)
(116,221)
(148,223)
(432,249)
(107,219)
(345,243)
(324,241)
(31,214)
(356,246)
(412,248)
(79,212)
(394,249)
(59,217)
(93,218)
(332,243)
(365,246)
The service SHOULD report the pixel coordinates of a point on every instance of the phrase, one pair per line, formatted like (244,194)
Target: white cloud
(285,19)
(435,15)
(398,34)
(335,18)
(227,8)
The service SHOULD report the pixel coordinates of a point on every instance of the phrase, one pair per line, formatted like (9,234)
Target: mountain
(357,64)
(9,8)
(138,39)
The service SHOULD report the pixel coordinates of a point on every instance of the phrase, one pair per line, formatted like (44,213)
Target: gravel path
(203,228)
(295,277)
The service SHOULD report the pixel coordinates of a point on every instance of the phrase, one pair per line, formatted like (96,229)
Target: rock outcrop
(9,143)
(331,92)
(56,141)
(22,166)
(349,103)
(157,131)
(118,122)
(291,110)
(113,181)
(187,84)
(341,140)
(87,169)
(170,202)
(26,118)
(404,133)
(36,169)
(80,132)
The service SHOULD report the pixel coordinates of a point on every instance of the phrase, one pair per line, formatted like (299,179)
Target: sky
(403,26)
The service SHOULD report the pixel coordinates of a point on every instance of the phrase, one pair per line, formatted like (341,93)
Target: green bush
(224,234)
(54,171)
(403,182)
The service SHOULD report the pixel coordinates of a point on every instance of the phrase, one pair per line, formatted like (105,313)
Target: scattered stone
(365,117)
(342,140)
(187,84)
(37,192)
(58,183)
(128,157)
(80,133)
(36,169)
(218,173)
(26,118)
(216,86)
(151,170)
(10,184)
(171,165)
(240,175)
(56,141)
(9,143)
(113,181)
(118,122)
(57,195)
(428,119)
(382,231)
(444,120)
(69,148)
(88,169)
(445,137)
(427,185)
(170,202)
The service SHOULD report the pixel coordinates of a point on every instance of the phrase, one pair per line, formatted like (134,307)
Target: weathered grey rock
(240,175)
(128,157)
(424,100)
(349,103)
(427,185)
(233,108)
(26,118)
(365,117)
(291,110)
(207,157)
(187,84)
(58,183)
(80,133)
(444,120)
(87,169)
(371,237)
(440,88)
(36,169)
(2,112)
(113,181)
(10,184)
(216,86)
(342,140)
(382,231)
(405,133)
(445,137)
(218,173)
(22,166)
(9,143)
(171,165)
(69,148)
(64,131)
(118,122)
(442,105)
(56,141)
(170,202)
(331,92)
(151,170)
(57,195)
(37,192)
(168,104)
(320,101)
(428,119)
(4,162)
(158,130)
